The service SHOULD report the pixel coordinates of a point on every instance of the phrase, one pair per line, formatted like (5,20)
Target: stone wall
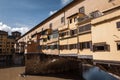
(45,64)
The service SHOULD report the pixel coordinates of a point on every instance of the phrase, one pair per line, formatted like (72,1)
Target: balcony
(62,28)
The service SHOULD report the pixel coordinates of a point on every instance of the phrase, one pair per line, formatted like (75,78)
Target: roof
(3,32)
(11,37)
(16,32)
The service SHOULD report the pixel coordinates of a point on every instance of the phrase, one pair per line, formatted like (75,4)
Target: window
(62,20)
(82,10)
(85,45)
(75,19)
(118,45)
(49,37)
(44,39)
(63,34)
(73,46)
(95,14)
(73,32)
(56,46)
(50,25)
(70,21)
(63,47)
(118,24)
(55,34)
(101,47)
(85,28)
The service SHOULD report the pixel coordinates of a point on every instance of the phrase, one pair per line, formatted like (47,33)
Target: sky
(22,15)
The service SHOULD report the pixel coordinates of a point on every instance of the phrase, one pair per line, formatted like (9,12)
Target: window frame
(75,19)
(50,25)
(118,45)
(70,21)
(82,9)
(62,20)
(85,45)
(118,24)
(73,32)
(104,44)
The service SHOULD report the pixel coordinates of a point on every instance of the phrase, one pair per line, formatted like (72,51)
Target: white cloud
(52,12)
(9,29)
(21,29)
(64,2)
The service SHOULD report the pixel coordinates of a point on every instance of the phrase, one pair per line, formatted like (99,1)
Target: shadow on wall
(7,61)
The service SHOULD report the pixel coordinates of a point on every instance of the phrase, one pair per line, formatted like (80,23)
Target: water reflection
(97,74)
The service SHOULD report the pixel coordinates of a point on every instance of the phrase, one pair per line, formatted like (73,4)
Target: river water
(96,73)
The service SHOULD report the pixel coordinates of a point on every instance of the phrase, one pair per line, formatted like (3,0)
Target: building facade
(86,29)
(7,49)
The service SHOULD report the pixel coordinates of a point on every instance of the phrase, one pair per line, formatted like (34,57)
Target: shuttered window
(101,47)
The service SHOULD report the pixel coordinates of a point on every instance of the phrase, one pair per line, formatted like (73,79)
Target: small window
(73,32)
(118,45)
(70,21)
(82,10)
(62,20)
(50,25)
(118,24)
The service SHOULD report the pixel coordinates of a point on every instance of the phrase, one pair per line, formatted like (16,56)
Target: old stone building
(7,49)
(86,29)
